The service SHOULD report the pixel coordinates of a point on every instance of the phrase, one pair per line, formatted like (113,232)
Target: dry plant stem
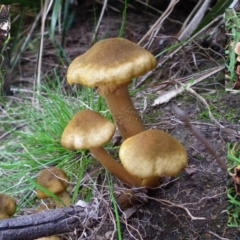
(171,55)
(155,28)
(200,137)
(99,21)
(217,236)
(124,113)
(199,11)
(166,202)
(37,83)
(186,86)
(114,167)
(206,104)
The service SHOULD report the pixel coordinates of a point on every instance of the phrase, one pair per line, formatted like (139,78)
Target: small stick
(200,137)
(166,202)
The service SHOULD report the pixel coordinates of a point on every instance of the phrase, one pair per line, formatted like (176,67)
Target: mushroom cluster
(146,155)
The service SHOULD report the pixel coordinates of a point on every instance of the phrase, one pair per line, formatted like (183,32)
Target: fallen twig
(206,105)
(198,12)
(166,58)
(200,137)
(166,202)
(175,92)
(152,33)
(217,236)
(51,222)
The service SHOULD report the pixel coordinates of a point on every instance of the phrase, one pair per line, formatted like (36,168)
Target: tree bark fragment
(50,222)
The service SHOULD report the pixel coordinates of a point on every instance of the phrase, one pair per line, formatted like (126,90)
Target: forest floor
(193,205)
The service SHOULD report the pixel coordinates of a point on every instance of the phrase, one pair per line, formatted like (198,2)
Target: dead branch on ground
(51,222)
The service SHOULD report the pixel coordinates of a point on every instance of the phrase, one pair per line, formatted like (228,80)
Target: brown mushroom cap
(110,62)
(49,238)
(153,153)
(90,130)
(54,179)
(87,129)
(237,48)
(8,206)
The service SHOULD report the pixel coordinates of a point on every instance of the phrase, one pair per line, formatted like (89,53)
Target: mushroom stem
(114,167)
(152,182)
(125,115)
(65,198)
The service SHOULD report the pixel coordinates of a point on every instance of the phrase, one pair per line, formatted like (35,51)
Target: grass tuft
(36,145)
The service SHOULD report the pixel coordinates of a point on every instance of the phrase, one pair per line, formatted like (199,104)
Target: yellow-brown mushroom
(110,65)
(152,154)
(56,181)
(90,130)
(8,206)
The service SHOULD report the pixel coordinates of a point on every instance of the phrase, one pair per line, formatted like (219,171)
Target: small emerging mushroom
(110,65)
(237,48)
(237,51)
(56,181)
(236,179)
(152,154)
(90,130)
(49,238)
(8,206)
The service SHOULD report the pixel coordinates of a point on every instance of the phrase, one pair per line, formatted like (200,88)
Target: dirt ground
(194,205)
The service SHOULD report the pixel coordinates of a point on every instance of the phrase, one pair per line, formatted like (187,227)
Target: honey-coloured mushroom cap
(237,48)
(153,153)
(8,206)
(54,179)
(87,129)
(111,61)
(110,66)
(90,130)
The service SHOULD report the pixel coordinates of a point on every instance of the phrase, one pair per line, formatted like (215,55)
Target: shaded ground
(200,192)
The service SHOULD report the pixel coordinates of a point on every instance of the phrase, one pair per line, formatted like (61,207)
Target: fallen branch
(166,202)
(194,80)
(201,138)
(51,222)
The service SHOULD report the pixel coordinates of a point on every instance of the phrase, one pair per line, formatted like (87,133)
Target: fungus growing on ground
(56,181)
(237,51)
(90,130)
(152,154)
(110,65)
(49,238)
(8,206)
(236,179)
